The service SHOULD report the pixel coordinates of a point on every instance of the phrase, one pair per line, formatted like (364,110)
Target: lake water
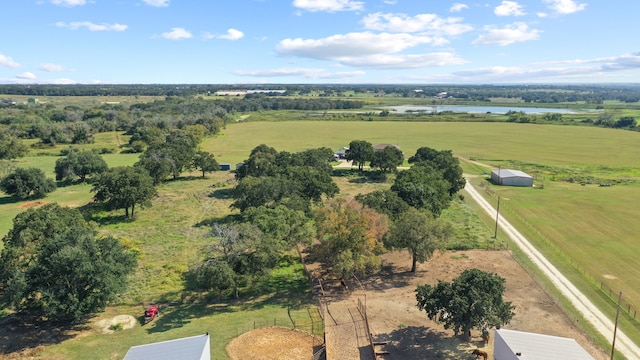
(479,109)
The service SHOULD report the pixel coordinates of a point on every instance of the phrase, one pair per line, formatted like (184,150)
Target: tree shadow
(10,200)
(222,194)
(177,316)
(418,342)
(227,219)
(25,336)
(98,213)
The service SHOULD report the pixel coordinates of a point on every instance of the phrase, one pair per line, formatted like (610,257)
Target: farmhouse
(341,154)
(189,348)
(511,178)
(518,345)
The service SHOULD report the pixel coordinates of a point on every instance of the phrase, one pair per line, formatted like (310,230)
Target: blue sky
(319,41)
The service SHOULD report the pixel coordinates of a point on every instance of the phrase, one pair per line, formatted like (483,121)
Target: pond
(479,109)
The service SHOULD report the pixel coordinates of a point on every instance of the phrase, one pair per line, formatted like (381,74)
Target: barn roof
(508,173)
(384,146)
(189,348)
(542,347)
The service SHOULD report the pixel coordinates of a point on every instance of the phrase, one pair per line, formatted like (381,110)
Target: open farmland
(593,226)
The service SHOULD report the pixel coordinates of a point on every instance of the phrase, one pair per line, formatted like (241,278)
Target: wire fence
(609,293)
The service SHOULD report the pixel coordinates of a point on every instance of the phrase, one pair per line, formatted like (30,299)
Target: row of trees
(590,93)
(350,234)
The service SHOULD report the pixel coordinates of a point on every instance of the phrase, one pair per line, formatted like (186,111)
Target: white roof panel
(507,173)
(542,347)
(189,348)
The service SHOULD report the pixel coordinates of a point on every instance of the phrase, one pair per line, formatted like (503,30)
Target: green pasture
(592,226)
(488,142)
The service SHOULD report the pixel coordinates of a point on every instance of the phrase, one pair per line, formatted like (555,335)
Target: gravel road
(591,313)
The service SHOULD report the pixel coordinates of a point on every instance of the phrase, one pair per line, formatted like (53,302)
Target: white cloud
(91,26)
(51,67)
(427,23)
(8,62)
(157,3)
(542,14)
(457,7)
(309,73)
(565,6)
(177,34)
(69,3)
(329,5)
(368,50)
(510,34)
(412,61)
(352,44)
(232,34)
(26,76)
(508,8)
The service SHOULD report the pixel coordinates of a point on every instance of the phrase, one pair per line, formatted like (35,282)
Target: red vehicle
(150,313)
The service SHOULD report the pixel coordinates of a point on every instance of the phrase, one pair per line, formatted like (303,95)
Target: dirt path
(345,331)
(600,322)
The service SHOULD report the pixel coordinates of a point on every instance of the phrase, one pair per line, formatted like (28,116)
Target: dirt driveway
(395,320)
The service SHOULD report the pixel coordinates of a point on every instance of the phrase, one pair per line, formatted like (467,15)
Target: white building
(519,345)
(189,348)
(511,177)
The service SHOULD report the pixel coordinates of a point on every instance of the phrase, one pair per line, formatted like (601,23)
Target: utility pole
(495,234)
(615,328)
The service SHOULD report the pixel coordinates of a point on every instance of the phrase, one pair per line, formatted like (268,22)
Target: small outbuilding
(189,348)
(341,154)
(519,345)
(509,177)
(225,167)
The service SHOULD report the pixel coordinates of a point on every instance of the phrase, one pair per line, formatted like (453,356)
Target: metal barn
(519,345)
(509,177)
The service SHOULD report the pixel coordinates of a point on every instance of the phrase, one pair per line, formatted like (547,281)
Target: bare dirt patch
(31,204)
(408,334)
(272,343)
(123,322)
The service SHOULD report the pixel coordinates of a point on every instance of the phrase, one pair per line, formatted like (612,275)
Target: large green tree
(124,188)
(53,267)
(282,224)
(206,162)
(385,202)
(473,300)
(24,183)
(80,164)
(360,152)
(423,188)
(11,147)
(420,233)
(387,159)
(443,161)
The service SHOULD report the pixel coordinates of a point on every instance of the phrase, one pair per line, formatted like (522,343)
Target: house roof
(508,173)
(189,348)
(384,146)
(542,347)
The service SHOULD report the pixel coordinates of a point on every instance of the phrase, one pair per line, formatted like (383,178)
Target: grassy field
(590,225)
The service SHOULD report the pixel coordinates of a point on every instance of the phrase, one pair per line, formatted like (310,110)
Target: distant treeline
(589,93)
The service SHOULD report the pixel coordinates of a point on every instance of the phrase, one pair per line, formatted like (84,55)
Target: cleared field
(595,226)
(548,144)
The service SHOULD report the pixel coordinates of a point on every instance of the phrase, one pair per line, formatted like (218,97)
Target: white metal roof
(189,348)
(542,347)
(507,173)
